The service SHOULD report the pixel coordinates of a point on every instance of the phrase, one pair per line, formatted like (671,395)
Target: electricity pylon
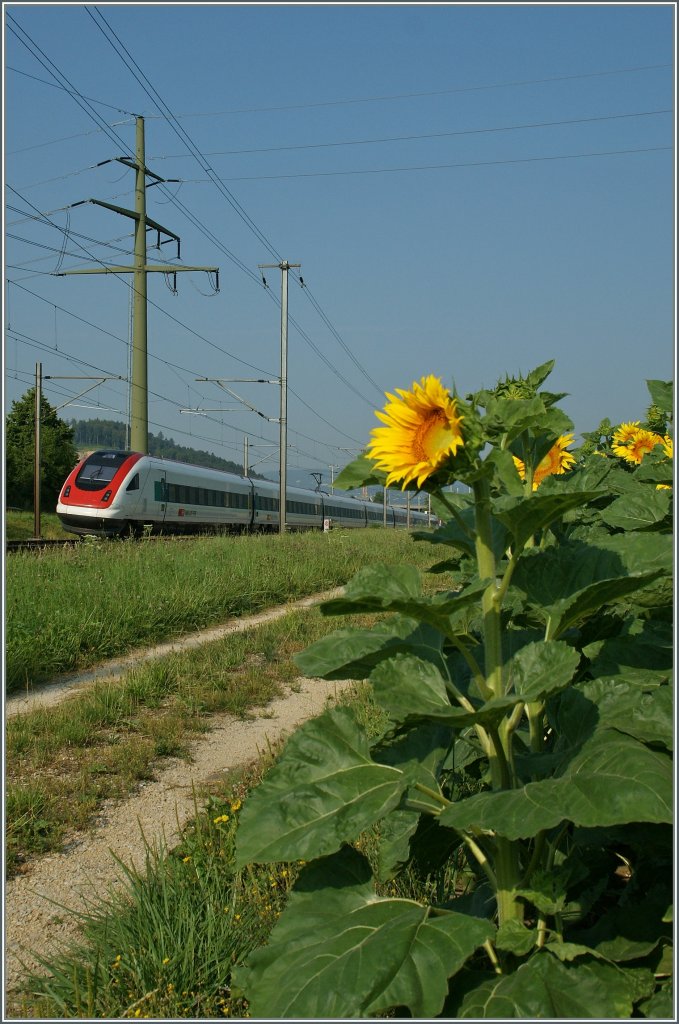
(139,417)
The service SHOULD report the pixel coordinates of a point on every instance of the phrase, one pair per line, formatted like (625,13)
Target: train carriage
(118,493)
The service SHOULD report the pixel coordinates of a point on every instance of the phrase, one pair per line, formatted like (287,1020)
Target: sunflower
(422,430)
(631,442)
(556,462)
(668,446)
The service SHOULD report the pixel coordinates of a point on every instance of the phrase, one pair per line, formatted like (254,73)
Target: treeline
(113,434)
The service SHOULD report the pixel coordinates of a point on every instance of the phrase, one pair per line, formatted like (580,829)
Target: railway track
(39,544)
(43,544)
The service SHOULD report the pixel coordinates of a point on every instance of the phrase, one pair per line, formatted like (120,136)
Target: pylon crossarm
(168,268)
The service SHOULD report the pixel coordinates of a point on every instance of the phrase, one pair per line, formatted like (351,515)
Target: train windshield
(99,469)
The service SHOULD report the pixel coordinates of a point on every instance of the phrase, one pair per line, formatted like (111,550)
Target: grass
(163,944)
(62,762)
(21,526)
(101,599)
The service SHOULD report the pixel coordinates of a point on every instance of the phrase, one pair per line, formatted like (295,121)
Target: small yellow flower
(186,860)
(422,430)
(236,805)
(222,817)
(166,960)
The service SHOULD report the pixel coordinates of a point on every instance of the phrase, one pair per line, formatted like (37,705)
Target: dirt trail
(157,811)
(48,694)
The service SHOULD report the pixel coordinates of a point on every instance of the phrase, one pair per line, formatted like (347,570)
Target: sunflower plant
(528,738)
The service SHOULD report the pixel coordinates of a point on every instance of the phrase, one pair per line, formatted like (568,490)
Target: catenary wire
(419,138)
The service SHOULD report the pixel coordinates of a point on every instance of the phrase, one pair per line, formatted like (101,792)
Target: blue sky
(482,239)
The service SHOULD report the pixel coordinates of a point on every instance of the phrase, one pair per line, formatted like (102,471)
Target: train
(116,493)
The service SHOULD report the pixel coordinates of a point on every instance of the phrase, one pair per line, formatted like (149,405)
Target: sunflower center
(432,436)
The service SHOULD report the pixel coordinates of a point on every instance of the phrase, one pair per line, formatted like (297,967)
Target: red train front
(90,499)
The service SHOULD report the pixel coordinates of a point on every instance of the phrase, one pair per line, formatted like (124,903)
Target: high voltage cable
(418,138)
(92,113)
(223,351)
(438,92)
(438,167)
(107,32)
(77,96)
(70,357)
(44,81)
(388,97)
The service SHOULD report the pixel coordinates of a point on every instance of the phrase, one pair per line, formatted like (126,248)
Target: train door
(160,496)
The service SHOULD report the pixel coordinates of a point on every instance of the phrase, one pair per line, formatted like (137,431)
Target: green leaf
(410,689)
(340,951)
(648,717)
(397,589)
(644,658)
(523,517)
(453,535)
(324,790)
(661,394)
(511,416)
(638,512)
(540,669)
(630,931)
(353,653)
(545,988)
(612,780)
(564,584)
(420,753)
(359,473)
(514,937)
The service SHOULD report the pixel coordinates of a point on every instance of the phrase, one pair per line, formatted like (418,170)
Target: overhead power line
(437,92)
(126,57)
(52,69)
(438,167)
(419,138)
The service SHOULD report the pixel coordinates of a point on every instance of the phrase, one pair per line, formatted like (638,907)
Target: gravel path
(33,923)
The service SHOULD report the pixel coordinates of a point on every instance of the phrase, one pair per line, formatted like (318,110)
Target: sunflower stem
(507,869)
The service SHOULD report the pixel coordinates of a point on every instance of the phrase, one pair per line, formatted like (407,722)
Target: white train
(118,493)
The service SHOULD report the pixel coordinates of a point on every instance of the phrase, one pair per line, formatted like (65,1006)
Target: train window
(134,483)
(99,469)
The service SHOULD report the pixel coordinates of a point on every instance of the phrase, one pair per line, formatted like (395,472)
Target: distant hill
(93,434)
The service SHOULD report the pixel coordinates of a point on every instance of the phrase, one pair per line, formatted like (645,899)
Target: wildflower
(185,860)
(422,430)
(166,960)
(236,805)
(222,817)
(556,462)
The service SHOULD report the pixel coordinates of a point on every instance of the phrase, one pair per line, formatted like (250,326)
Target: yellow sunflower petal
(422,429)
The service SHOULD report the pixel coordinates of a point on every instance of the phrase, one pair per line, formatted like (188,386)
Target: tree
(58,453)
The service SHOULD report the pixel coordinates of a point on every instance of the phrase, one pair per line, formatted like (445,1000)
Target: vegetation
(164,945)
(98,433)
(101,599)
(58,453)
(484,830)
(529,732)
(20,526)
(63,761)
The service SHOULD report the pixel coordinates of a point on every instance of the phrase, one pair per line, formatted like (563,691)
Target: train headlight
(67,491)
(107,495)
